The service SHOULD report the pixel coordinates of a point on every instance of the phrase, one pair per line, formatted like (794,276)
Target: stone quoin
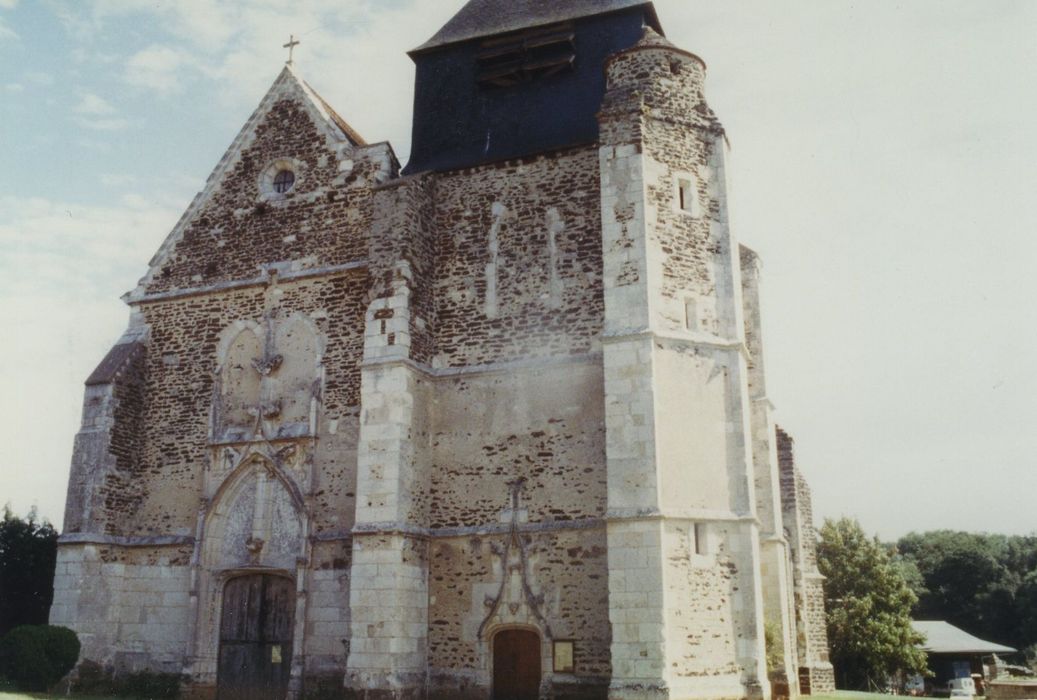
(491,425)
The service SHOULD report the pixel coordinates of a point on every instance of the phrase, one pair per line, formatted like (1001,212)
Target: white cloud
(116,124)
(92,105)
(158,68)
(117,180)
(14,87)
(8,4)
(98,114)
(39,78)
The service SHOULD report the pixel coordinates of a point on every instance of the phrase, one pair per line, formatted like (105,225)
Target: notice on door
(275,654)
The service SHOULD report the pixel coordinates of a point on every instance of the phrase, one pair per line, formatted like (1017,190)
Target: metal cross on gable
(292,43)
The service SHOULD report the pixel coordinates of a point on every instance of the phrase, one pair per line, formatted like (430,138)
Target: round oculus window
(283,181)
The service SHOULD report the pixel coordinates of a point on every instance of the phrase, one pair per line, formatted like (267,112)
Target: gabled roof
(117,359)
(481,18)
(944,638)
(335,129)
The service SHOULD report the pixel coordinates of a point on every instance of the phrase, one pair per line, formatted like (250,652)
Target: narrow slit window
(691,315)
(699,539)
(687,193)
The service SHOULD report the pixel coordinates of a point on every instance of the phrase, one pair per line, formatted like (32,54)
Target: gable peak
(289,80)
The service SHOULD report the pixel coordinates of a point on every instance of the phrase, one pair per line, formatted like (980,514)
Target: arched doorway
(256,638)
(516,665)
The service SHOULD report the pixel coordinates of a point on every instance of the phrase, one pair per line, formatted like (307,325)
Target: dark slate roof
(944,638)
(481,18)
(114,362)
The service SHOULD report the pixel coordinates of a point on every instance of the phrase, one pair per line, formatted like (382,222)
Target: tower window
(283,181)
(688,195)
(526,56)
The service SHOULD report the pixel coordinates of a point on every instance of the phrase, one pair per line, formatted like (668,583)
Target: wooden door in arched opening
(256,638)
(516,665)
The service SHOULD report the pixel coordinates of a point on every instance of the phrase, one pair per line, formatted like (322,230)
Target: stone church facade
(491,425)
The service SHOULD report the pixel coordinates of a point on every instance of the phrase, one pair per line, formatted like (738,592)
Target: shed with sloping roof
(953,652)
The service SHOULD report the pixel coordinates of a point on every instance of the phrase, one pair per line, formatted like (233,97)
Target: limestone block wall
(707,631)
(388,652)
(140,618)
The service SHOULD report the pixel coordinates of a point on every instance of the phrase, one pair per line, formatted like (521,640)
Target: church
(492,424)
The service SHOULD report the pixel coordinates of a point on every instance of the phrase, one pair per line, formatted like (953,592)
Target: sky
(883,165)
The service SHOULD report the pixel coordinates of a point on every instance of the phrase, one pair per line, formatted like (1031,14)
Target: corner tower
(685,596)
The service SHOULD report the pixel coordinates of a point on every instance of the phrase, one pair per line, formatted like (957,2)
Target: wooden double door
(516,665)
(256,638)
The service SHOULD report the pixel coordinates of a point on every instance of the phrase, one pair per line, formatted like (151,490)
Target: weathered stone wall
(527,394)
(129,606)
(523,448)
(107,452)
(176,439)
(677,405)
(542,425)
(775,553)
(706,634)
(518,260)
(476,589)
(237,226)
(815,670)
(246,371)
(1011,690)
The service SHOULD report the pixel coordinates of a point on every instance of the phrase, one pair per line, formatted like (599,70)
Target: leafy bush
(149,684)
(35,657)
(94,679)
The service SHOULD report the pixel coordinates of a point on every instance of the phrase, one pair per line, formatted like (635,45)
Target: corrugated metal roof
(944,638)
(480,18)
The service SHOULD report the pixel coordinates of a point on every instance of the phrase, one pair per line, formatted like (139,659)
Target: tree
(971,580)
(868,606)
(28,552)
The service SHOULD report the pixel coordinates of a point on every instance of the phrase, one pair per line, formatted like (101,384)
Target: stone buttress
(816,675)
(775,562)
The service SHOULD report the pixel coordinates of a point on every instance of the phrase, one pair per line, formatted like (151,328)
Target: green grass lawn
(837,695)
(855,695)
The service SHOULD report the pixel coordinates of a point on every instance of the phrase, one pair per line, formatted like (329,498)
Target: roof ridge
(481,18)
(329,112)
